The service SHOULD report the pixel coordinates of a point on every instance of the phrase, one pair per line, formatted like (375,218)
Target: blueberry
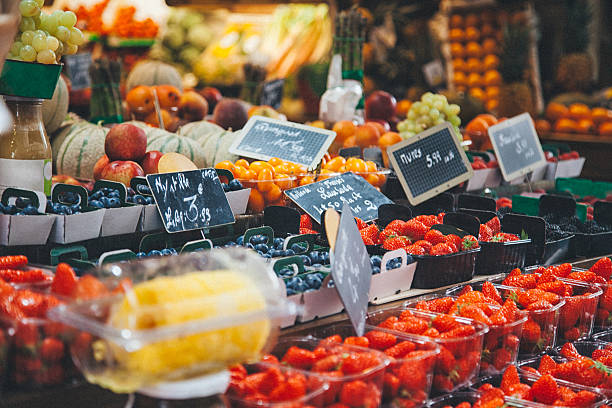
(267,256)
(20,213)
(317,265)
(260,253)
(66,210)
(96,204)
(306,260)
(149,200)
(313,281)
(96,195)
(301,286)
(375,270)
(250,246)
(140,255)
(314,256)
(154,252)
(409,260)
(145,190)
(105,201)
(21,202)
(278,243)
(240,240)
(235,185)
(114,194)
(297,248)
(262,247)
(226,188)
(166,252)
(292,282)
(139,199)
(375,260)
(291,292)
(230,244)
(130,200)
(274,253)
(258,239)
(130,191)
(114,202)
(30,210)
(10,209)
(325,257)
(76,207)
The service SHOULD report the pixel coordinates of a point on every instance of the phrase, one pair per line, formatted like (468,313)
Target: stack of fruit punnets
(581,299)
(460,341)
(355,374)
(505,321)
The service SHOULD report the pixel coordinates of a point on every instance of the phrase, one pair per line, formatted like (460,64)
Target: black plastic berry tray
(591,245)
(501,257)
(554,252)
(444,270)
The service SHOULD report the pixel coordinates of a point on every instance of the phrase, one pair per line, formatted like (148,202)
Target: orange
(579,111)
(367,135)
(489,46)
(600,115)
(258,165)
(402,108)
(492,92)
(542,126)
(275,161)
(307,180)
(490,119)
(242,163)
(472,34)
(556,111)
(386,140)
(284,181)
(371,178)
(461,88)
(273,194)
(491,105)
(317,124)
(265,177)
(456,21)
(473,65)
(227,165)
(256,202)
(169,96)
(565,125)
(492,78)
(325,174)
(379,126)
(356,165)
(477,93)
(491,61)
(585,126)
(141,100)
(473,49)
(167,117)
(371,166)
(344,129)
(474,80)
(456,34)
(472,19)
(477,126)
(487,30)
(605,129)
(350,142)
(459,79)
(282,168)
(335,163)
(457,50)
(459,65)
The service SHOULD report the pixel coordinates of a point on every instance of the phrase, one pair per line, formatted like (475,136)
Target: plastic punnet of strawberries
(460,341)
(581,299)
(355,374)
(505,321)
(491,232)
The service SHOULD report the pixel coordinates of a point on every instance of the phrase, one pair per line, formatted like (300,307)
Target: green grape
(454,120)
(16,47)
(50,23)
(68,19)
(28,53)
(39,42)
(438,104)
(62,33)
(16,58)
(402,125)
(426,120)
(434,113)
(424,110)
(40,3)
(76,36)
(27,37)
(416,106)
(52,43)
(454,109)
(439,121)
(27,24)
(29,8)
(60,48)
(428,98)
(412,114)
(40,32)
(37,20)
(70,49)
(46,57)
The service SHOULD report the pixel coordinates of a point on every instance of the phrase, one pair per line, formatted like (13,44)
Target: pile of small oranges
(366,169)
(474,45)
(575,118)
(370,134)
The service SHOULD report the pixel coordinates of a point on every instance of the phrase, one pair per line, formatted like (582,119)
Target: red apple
(193,106)
(212,95)
(99,166)
(125,142)
(380,105)
(122,171)
(149,163)
(231,114)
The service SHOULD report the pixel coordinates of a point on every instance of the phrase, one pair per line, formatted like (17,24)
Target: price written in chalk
(431,158)
(190,200)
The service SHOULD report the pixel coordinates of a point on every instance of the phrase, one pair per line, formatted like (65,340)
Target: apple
(380,105)
(125,142)
(122,171)
(193,106)
(149,163)
(63,178)
(99,166)
(212,96)
(230,114)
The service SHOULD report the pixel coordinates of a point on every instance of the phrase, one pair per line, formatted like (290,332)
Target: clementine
(344,129)
(605,129)
(579,111)
(556,111)
(565,125)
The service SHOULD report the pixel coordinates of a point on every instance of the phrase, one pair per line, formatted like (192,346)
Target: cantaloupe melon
(216,149)
(151,73)
(75,152)
(170,142)
(54,110)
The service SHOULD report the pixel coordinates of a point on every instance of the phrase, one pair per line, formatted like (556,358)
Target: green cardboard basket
(29,79)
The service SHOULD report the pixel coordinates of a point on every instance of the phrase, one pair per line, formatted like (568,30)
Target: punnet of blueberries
(157,253)
(105,198)
(304,283)
(376,262)
(259,243)
(233,185)
(22,206)
(139,197)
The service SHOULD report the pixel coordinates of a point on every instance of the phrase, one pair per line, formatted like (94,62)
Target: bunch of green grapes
(430,111)
(44,38)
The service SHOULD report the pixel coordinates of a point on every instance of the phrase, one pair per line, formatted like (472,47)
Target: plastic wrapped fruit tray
(444,270)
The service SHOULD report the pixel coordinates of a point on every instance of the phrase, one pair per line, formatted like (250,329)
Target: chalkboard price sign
(517,146)
(77,66)
(334,192)
(351,270)
(190,200)
(272,93)
(263,138)
(430,163)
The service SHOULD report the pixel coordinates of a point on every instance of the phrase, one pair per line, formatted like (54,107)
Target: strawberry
(358,341)
(370,232)
(415,230)
(414,325)
(416,250)
(19,276)
(569,351)
(475,313)
(441,305)
(441,249)
(485,234)
(388,323)
(547,365)
(494,224)
(413,377)
(386,234)
(583,276)
(293,388)
(361,224)
(491,291)
(10,309)
(268,358)
(306,221)
(526,297)
(509,379)
(556,287)
(89,287)
(367,241)
(391,385)
(51,350)
(461,331)
(469,242)
(435,237)
(431,332)
(399,226)
(299,358)
(445,362)
(357,363)
(545,390)
(304,231)
(603,268)
(426,245)
(380,340)
(583,398)
(444,323)
(13,261)
(400,349)
(64,281)
(26,335)
(396,243)
(327,364)
(428,220)
(455,240)
(539,305)
(31,303)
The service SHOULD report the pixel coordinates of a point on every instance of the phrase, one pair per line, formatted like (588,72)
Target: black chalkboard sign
(190,200)
(272,93)
(517,146)
(351,270)
(77,67)
(334,192)
(430,163)
(263,138)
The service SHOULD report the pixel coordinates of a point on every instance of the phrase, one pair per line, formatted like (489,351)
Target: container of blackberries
(21,220)
(75,218)
(121,217)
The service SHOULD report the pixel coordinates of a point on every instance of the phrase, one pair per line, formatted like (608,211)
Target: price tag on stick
(263,138)
(190,200)
(334,192)
(351,269)
(517,146)
(430,163)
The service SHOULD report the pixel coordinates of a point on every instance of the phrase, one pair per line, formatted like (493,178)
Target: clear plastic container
(186,316)
(459,360)
(407,380)
(342,387)
(456,398)
(376,178)
(604,336)
(267,192)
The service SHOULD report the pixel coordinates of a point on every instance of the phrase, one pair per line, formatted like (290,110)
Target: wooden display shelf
(576,138)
